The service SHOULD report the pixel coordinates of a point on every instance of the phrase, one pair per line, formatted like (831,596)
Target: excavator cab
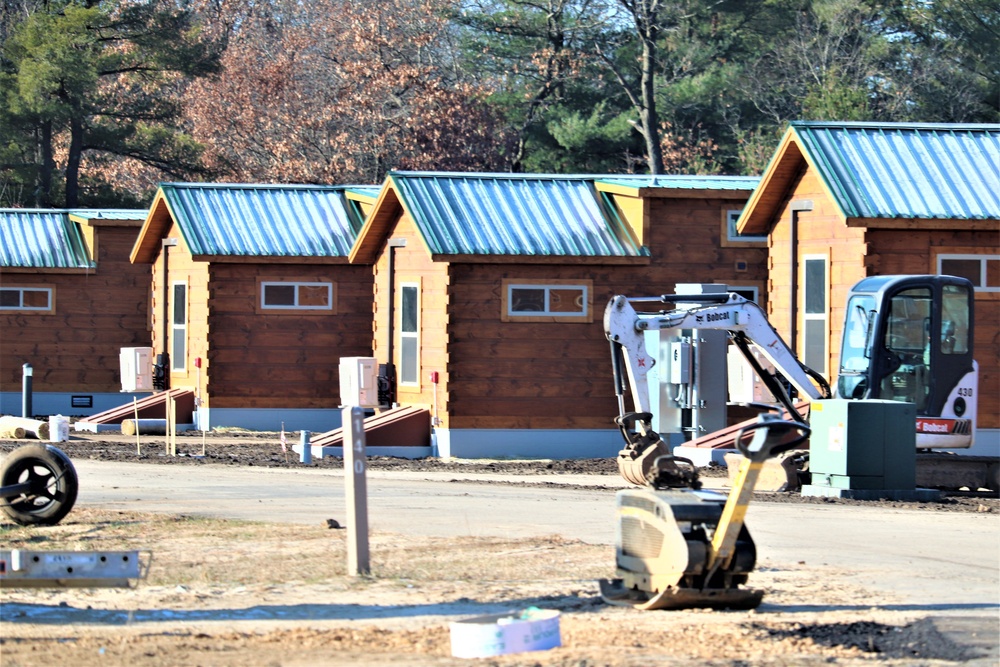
(910,338)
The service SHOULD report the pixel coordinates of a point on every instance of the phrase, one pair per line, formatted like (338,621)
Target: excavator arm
(747,326)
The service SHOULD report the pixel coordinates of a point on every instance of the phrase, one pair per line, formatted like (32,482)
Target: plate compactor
(680,547)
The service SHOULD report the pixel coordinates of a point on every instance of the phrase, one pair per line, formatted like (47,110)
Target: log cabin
(254,300)
(490,291)
(840,202)
(69,301)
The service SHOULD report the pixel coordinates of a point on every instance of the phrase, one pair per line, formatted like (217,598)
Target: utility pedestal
(864,449)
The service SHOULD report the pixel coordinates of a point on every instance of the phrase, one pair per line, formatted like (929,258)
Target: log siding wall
(76,348)
(181,267)
(414,265)
(557,375)
(285,359)
(820,232)
(857,252)
(521,375)
(255,359)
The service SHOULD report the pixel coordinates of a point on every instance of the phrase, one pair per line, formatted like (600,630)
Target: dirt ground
(222,592)
(263,449)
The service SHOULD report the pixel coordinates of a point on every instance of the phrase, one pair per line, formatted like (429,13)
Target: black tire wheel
(53,480)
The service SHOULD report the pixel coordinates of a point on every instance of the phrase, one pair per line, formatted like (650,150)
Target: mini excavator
(748,329)
(678,546)
(905,338)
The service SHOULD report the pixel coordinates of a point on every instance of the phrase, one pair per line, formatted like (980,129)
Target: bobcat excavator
(907,338)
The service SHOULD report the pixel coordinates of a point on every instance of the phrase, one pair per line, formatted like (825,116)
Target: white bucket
(499,634)
(58,428)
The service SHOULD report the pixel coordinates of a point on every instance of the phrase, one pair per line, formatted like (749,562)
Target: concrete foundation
(917,495)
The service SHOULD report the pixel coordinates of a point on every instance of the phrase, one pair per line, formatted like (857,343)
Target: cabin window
(731,236)
(547,301)
(26,299)
(983,271)
(409,334)
(178,328)
(297,296)
(814,312)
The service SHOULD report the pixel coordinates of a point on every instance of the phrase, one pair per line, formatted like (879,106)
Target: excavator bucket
(636,467)
(637,460)
(781,474)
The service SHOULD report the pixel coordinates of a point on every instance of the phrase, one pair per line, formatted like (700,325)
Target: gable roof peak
(886,171)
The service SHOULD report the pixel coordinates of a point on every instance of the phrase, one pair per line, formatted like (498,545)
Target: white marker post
(355,462)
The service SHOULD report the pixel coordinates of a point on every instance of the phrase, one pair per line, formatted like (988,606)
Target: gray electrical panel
(690,388)
(866,444)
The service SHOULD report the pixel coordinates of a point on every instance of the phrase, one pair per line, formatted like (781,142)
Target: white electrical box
(359,382)
(136,368)
(680,362)
(745,386)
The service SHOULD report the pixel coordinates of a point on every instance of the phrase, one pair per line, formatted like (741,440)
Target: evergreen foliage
(84,82)
(99,100)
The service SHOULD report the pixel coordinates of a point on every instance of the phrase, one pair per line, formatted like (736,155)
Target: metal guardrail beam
(22,568)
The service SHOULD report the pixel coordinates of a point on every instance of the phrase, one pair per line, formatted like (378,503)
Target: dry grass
(223,592)
(197,551)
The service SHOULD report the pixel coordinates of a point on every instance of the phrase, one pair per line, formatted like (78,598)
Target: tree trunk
(73,162)
(648,118)
(47,166)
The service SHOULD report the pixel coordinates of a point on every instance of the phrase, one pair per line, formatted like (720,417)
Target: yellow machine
(678,546)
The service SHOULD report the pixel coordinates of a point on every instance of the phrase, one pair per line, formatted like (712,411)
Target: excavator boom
(747,326)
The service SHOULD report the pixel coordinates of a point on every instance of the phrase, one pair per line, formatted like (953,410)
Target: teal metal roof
(110,214)
(264,220)
(41,239)
(897,170)
(683,182)
(370,191)
(512,214)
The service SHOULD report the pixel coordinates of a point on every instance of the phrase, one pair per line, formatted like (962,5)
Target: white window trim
(547,288)
(732,215)
(823,317)
(982,287)
(29,309)
(296,306)
(179,365)
(415,335)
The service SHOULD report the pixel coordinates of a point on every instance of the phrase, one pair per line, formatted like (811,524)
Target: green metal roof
(369,191)
(47,238)
(530,215)
(683,182)
(109,214)
(265,220)
(907,170)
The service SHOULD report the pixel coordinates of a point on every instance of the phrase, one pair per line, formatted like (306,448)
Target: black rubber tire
(53,474)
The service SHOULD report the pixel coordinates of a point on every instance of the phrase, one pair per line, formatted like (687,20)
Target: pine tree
(88,80)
